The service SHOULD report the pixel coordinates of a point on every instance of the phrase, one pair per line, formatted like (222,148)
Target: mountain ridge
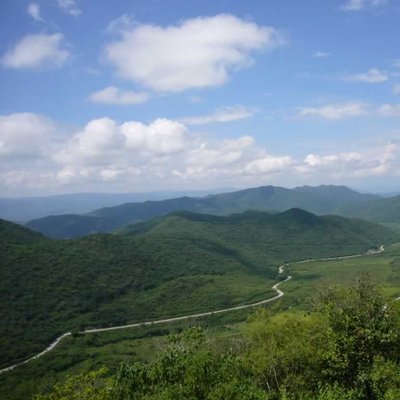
(263,198)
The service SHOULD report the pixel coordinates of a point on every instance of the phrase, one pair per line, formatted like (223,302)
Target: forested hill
(319,200)
(379,210)
(174,265)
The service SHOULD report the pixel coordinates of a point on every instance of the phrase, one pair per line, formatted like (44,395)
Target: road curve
(279,293)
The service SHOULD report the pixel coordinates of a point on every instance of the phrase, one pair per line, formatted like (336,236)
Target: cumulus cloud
(24,136)
(37,51)
(209,154)
(374,75)
(103,140)
(162,136)
(109,155)
(198,53)
(69,7)
(33,10)
(377,161)
(335,111)
(224,114)
(268,164)
(113,95)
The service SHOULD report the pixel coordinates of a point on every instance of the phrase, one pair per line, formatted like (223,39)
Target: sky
(150,95)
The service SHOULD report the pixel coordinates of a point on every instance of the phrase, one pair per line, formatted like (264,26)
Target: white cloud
(33,10)
(24,136)
(208,155)
(396,88)
(335,111)
(36,154)
(103,140)
(379,160)
(321,54)
(162,136)
(113,95)
(198,53)
(69,7)
(359,5)
(37,51)
(389,110)
(313,160)
(224,114)
(164,150)
(371,76)
(267,165)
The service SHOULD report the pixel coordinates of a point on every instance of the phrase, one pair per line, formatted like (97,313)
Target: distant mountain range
(26,208)
(319,200)
(176,264)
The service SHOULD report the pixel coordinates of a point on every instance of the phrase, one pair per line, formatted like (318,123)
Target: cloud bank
(36,154)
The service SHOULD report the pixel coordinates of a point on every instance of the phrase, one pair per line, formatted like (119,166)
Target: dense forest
(171,266)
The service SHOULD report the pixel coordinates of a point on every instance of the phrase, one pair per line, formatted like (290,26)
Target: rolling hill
(319,200)
(177,264)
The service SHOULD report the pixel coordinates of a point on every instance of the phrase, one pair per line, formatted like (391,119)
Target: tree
(363,325)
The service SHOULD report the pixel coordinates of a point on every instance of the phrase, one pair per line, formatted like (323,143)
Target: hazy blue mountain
(335,197)
(28,208)
(319,200)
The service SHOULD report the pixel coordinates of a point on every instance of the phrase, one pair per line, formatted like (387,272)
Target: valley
(146,279)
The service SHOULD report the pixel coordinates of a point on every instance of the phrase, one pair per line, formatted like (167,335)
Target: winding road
(279,293)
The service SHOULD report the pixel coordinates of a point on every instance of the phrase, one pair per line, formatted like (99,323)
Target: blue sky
(173,95)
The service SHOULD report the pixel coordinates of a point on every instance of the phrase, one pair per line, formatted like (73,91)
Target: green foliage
(187,370)
(363,326)
(349,351)
(287,349)
(336,392)
(86,386)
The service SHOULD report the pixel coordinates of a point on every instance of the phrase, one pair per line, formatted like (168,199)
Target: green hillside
(380,210)
(335,197)
(319,200)
(174,265)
